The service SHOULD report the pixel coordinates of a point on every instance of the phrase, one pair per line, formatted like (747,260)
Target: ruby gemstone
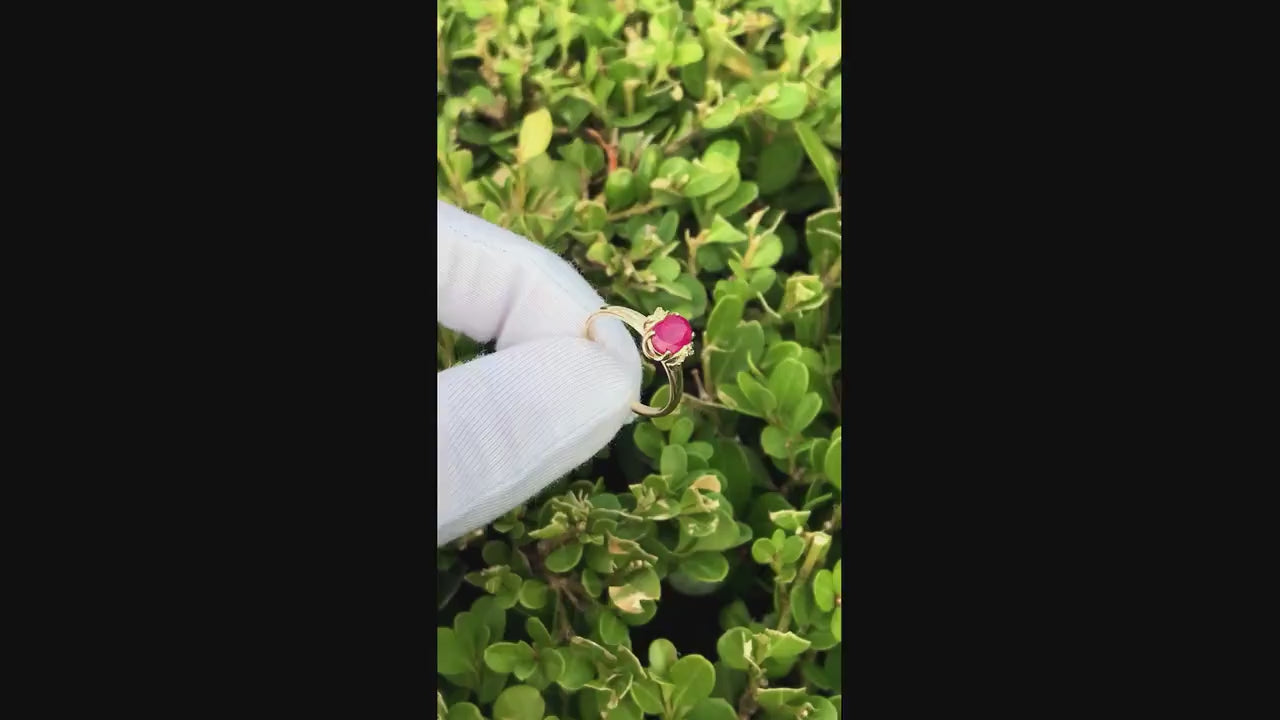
(671,334)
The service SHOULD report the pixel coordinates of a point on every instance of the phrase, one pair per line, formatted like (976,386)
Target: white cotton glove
(510,423)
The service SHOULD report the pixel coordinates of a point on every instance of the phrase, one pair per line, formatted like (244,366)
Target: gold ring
(665,338)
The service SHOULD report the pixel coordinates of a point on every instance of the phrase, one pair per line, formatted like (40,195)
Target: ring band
(665,338)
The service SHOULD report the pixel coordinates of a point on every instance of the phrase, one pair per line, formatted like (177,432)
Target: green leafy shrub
(680,154)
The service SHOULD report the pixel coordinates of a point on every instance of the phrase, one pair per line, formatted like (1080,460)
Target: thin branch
(636,210)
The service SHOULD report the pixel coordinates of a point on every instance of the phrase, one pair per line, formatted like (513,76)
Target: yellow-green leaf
(821,156)
(535,136)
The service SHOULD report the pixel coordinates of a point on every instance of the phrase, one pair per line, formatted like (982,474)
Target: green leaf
(667,227)
(735,648)
(662,655)
(779,163)
(762,551)
(802,607)
(757,394)
(774,442)
(723,232)
(649,439)
(723,115)
(705,182)
(450,658)
(533,594)
(619,189)
(472,633)
(731,460)
(724,320)
(592,583)
(535,136)
(835,577)
(665,268)
(492,615)
(461,161)
(768,252)
(804,413)
(646,581)
(789,519)
(835,625)
(681,431)
(491,684)
(551,663)
(762,280)
(693,677)
(790,101)
(777,698)
(699,449)
(628,598)
(742,196)
(578,671)
(818,453)
(779,352)
(710,567)
(563,559)
(625,710)
(496,552)
(635,119)
(710,709)
(822,638)
(824,595)
(537,631)
(791,550)
(647,696)
(785,645)
(722,154)
(822,709)
(504,656)
(788,382)
(831,464)
(507,594)
(612,630)
(820,156)
(676,289)
(675,461)
(520,702)
(674,167)
(687,52)
(464,711)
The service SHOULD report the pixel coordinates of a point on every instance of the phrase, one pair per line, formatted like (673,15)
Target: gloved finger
(492,284)
(510,423)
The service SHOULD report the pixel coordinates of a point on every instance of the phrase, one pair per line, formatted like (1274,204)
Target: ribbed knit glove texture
(510,423)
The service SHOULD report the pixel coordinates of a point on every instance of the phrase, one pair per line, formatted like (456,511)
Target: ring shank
(675,377)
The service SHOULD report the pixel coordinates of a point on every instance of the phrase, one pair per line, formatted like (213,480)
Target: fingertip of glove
(616,378)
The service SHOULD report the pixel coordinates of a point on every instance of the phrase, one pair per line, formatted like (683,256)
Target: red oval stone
(671,334)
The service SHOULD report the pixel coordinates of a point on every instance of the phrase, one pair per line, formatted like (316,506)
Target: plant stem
(562,619)
(753,243)
(833,274)
(680,142)
(697,380)
(635,210)
(815,552)
(706,403)
(765,304)
(833,524)
(446,338)
(784,612)
(706,371)
(747,703)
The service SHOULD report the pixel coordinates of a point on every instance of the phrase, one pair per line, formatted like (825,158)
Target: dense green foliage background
(680,154)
